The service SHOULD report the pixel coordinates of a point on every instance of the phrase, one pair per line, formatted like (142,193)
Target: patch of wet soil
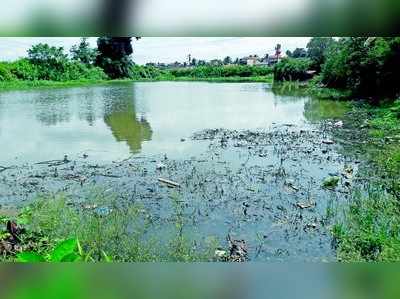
(264,187)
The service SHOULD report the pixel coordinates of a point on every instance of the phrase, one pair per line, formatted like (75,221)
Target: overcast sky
(168,49)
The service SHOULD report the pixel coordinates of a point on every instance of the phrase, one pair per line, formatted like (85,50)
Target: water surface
(249,179)
(112,122)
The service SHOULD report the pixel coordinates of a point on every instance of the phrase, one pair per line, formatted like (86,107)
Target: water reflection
(111,122)
(87,108)
(120,116)
(52,108)
(288,89)
(316,110)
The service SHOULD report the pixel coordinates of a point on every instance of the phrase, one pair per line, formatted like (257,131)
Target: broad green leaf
(70,258)
(63,249)
(30,257)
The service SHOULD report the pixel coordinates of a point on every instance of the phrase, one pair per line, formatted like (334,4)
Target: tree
(194,62)
(83,52)
(227,60)
(316,50)
(367,66)
(50,62)
(299,53)
(292,69)
(114,56)
(43,54)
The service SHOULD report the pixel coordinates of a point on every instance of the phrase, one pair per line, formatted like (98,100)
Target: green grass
(384,129)
(105,226)
(22,85)
(316,88)
(370,230)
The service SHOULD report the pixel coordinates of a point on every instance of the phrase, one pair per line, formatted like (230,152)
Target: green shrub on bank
(25,70)
(138,72)
(367,66)
(370,230)
(292,69)
(221,71)
(5,72)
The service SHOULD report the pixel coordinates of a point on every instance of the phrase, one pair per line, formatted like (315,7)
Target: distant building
(216,62)
(273,59)
(267,60)
(252,60)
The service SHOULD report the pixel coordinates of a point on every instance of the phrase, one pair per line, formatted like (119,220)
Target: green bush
(5,72)
(292,69)
(221,71)
(370,229)
(138,72)
(23,69)
(26,70)
(366,66)
(79,71)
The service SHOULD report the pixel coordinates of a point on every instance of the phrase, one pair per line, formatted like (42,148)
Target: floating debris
(290,184)
(169,183)
(220,253)
(161,166)
(331,182)
(311,226)
(305,205)
(231,184)
(338,124)
(237,250)
(348,172)
(328,141)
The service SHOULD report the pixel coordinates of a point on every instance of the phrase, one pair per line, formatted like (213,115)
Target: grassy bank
(21,85)
(370,227)
(101,229)
(16,85)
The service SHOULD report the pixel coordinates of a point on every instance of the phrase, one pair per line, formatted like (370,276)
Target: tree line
(367,66)
(110,60)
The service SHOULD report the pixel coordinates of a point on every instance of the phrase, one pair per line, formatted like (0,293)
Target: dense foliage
(114,56)
(317,48)
(138,72)
(367,66)
(292,69)
(48,63)
(297,53)
(83,52)
(26,70)
(221,71)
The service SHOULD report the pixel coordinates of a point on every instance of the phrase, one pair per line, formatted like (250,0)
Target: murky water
(112,122)
(258,177)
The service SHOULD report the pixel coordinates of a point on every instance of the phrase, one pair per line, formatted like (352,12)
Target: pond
(250,159)
(112,122)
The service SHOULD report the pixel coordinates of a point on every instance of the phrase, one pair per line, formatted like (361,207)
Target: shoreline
(27,85)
